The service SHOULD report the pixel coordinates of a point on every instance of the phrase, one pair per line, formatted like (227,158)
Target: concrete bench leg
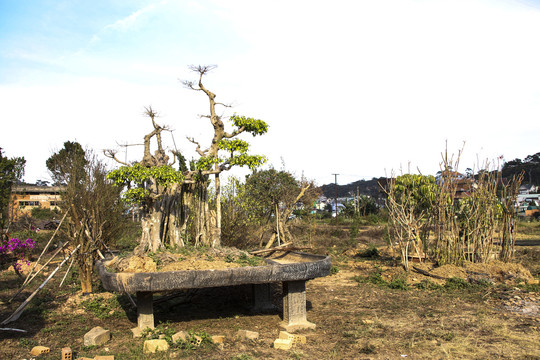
(294,306)
(262,298)
(145,310)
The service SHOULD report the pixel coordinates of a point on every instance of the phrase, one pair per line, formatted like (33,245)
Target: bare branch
(234,133)
(202,69)
(112,155)
(199,150)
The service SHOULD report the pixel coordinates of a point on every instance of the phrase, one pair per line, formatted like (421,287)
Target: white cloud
(128,22)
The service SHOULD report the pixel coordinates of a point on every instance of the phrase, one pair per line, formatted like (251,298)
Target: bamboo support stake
(67,272)
(20,309)
(44,249)
(36,274)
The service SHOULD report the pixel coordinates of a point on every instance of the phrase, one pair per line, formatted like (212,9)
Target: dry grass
(355,320)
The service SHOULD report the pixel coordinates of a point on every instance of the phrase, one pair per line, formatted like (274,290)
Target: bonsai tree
(175,200)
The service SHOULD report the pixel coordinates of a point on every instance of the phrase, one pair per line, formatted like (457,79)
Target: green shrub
(371,252)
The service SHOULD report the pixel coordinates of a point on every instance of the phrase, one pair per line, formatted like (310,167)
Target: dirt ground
(361,312)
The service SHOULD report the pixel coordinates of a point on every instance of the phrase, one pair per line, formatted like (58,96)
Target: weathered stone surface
(97,336)
(308,266)
(284,344)
(145,310)
(218,339)
(38,350)
(181,335)
(151,346)
(246,334)
(137,332)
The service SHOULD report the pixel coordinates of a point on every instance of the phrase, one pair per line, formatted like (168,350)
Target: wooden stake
(20,309)
(24,285)
(44,249)
(67,272)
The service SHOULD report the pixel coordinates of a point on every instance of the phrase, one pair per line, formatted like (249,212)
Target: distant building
(25,197)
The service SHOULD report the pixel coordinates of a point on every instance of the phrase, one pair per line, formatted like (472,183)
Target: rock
(97,336)
(218,339)
(181,335)
(137,332)
(104,357)
(38,350)
(250,335)
(151,346)
(284,344)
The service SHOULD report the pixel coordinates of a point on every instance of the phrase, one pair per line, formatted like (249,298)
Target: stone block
(246,334)
(38,350)
(181,335)
(67,354)
(151,346)
(104,357)
(218,339)
(284,344)
(97,336)
(137,332)
(84,358)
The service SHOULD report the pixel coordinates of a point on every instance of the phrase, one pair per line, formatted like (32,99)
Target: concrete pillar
(262,297)
(294,306)
(145,310)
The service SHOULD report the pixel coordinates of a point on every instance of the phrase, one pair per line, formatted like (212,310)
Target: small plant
(427,285)
(334,269)
(398,284)
(456,283)
(193,340)
(371,252)
(25,342)
(368,349)
(102,308)
(246,260)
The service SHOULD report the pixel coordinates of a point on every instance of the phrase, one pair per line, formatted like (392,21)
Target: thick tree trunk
(85,275)
(167,221)
(216,240)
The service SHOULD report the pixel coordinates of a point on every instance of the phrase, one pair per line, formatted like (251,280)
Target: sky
(358,88)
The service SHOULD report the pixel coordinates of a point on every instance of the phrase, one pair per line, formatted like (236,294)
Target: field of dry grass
(369,308)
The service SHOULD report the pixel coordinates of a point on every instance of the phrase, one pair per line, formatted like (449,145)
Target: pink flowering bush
(15,248)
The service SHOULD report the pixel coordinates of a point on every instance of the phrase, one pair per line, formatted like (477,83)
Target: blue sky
(358,88)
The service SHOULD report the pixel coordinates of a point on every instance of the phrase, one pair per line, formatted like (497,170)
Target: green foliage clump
(398,283)
(103,308)
(371,252)
(134,177)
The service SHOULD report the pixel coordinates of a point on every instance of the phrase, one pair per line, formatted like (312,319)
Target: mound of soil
(210,259)
(494,271)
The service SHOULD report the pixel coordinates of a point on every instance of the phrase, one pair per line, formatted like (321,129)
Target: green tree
(11,171)
(61,164)
(410,201)
(272,196)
